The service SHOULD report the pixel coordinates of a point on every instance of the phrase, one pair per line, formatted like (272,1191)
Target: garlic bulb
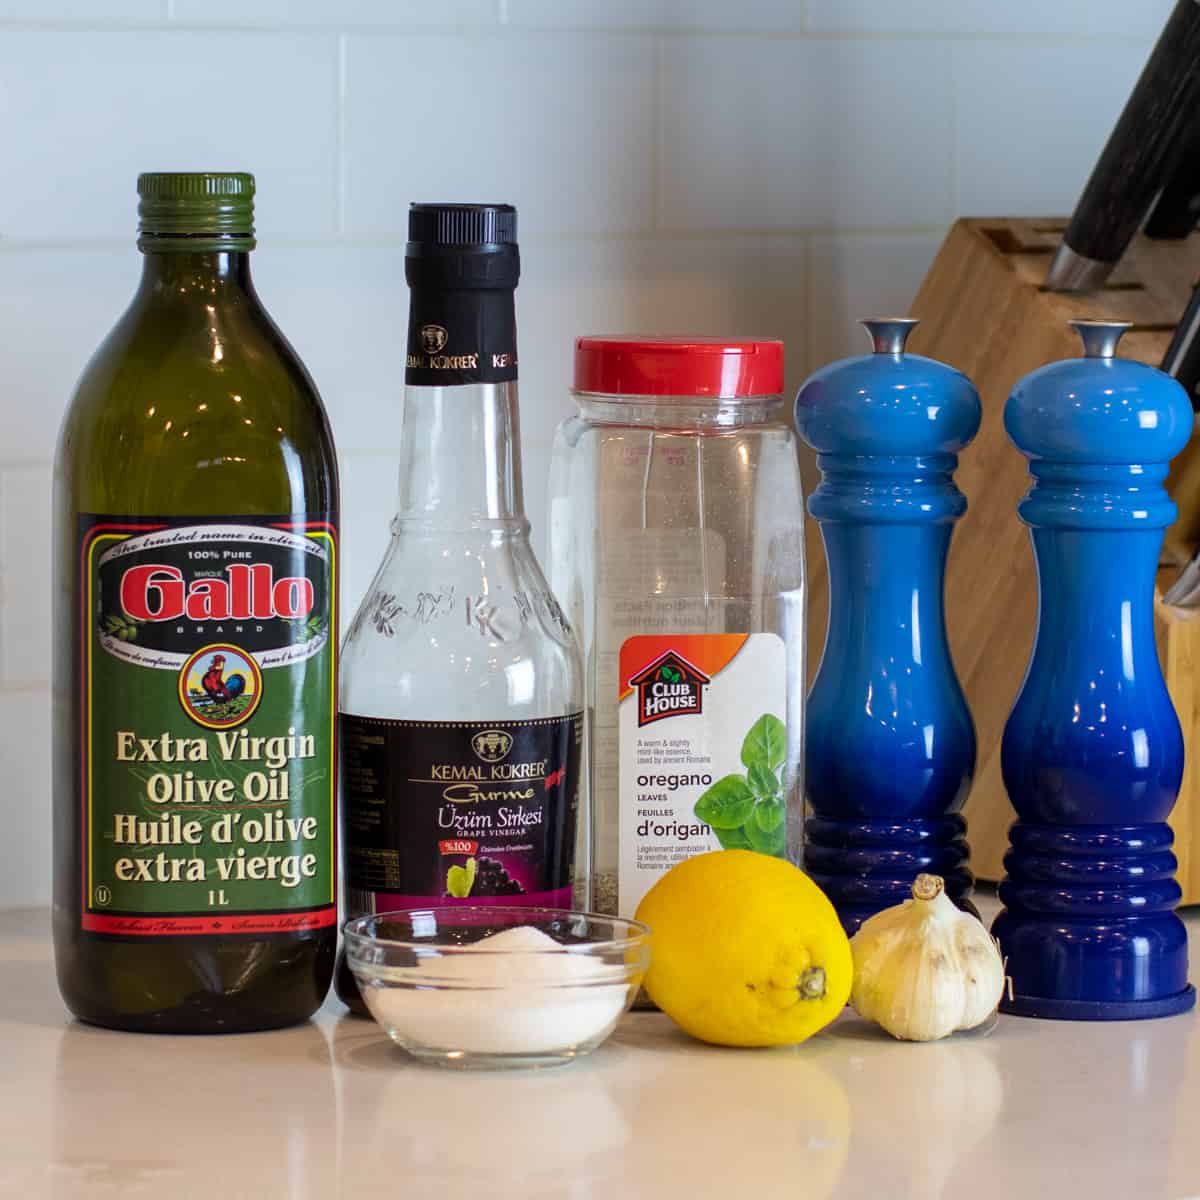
(924,968)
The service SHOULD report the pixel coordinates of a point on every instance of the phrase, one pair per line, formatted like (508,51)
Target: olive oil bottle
(195,609)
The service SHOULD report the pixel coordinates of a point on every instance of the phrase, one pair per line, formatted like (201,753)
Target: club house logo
(669,687)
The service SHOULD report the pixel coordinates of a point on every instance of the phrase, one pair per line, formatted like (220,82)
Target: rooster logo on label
(220,686)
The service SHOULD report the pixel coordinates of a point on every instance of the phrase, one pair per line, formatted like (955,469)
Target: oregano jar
(677,550)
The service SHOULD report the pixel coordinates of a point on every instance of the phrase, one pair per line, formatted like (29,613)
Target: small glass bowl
(447,999)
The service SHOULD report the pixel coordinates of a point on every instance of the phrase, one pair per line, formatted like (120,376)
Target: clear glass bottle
(677,549)
(461,692)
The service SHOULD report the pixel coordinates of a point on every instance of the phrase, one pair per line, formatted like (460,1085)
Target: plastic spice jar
(677,550)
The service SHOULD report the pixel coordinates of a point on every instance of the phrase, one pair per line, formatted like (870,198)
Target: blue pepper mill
(1092,754)
(890,746)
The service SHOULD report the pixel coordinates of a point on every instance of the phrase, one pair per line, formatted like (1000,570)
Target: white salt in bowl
(490,986)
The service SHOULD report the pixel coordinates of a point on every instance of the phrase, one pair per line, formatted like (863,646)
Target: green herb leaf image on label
(748,812)
(765,744)
(733,839)
(768,815)
(670,675)
(763,782)
(726,804)
(764,841)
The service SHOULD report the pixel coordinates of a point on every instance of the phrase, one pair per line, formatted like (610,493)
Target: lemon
(747,950)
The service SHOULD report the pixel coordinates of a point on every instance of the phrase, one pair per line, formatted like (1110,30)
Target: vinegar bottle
(195,608)
(461,693)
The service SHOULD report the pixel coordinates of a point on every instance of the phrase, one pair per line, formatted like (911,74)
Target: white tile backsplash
(55,309)
(559,124)
(25,586)
(795,133)
(369,486)
(345,310)
(771,167)
(746,286)
(90,12)
(1027,150)
(1085,18)
(757,15)
(535,469)
(25,801)
(852,277)
(340,14)
(94,109)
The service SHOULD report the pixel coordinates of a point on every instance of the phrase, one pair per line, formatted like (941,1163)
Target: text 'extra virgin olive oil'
(462,687)
(195,608)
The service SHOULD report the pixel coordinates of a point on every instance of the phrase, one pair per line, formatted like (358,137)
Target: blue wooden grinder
(890,746)
(1092,754)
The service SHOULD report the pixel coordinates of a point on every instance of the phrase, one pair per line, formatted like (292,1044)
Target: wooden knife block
(983,311)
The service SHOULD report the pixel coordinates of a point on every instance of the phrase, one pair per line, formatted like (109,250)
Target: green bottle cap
(200,210)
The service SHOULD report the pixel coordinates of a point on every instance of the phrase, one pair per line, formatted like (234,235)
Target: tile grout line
(340,172)
(17,686)
(398,238)
(24,687)
(806,251)
(656,157)
(809,324)
(955,124)
(4,572)
(172,25)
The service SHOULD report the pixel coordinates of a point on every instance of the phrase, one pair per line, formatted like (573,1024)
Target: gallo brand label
(209,679)
(441,812)
(702,751)
(157,592)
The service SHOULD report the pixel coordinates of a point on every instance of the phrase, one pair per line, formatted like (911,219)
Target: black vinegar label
(208,697)
(461,336)
(440,812)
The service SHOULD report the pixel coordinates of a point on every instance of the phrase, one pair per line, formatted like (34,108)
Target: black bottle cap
(462,246)
(463,224)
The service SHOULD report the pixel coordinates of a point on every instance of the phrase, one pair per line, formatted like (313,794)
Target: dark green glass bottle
(195,497)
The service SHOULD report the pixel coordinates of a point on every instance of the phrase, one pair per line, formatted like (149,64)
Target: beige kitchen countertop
(333,1109)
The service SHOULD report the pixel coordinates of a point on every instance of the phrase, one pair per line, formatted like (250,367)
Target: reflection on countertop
(332,1109)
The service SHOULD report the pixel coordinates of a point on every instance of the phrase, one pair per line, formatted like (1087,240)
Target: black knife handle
(1137,156)
(1182,359)
(1177,208)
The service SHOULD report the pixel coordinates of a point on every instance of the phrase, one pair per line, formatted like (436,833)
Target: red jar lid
(646,365)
